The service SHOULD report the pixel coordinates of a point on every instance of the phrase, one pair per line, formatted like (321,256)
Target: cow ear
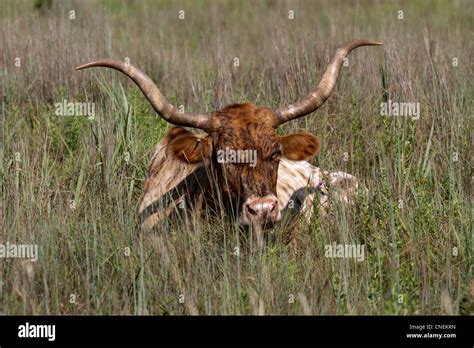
(189,147)
(299,146)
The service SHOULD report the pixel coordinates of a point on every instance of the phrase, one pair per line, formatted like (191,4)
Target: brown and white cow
(249,188)
(174,186)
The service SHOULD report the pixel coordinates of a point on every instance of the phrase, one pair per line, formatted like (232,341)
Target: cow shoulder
(298,182)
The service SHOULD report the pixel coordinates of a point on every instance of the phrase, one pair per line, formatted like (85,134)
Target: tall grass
(415,220)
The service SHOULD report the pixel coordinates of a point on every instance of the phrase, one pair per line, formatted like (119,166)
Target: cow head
(246,150)
(242,141)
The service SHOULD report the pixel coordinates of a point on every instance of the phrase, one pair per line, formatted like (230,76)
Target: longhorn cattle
(239,160)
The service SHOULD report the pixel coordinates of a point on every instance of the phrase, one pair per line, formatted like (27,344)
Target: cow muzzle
(260,210)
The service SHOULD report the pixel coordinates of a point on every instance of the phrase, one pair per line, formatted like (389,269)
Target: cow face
(245,150)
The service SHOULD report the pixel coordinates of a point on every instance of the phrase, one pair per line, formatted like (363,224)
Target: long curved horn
(318,96)
(153,94)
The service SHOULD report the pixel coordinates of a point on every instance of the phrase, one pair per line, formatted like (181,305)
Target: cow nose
(262,208)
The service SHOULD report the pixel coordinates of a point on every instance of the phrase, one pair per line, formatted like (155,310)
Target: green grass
(418,257)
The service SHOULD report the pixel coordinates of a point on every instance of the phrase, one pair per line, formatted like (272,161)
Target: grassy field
(72,185)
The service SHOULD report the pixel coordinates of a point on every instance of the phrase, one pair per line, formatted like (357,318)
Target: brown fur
(189,147)
(299,146)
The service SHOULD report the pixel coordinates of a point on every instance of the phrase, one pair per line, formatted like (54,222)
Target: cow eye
(276,156)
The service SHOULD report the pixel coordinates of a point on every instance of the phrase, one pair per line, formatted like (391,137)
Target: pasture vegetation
(72,185)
